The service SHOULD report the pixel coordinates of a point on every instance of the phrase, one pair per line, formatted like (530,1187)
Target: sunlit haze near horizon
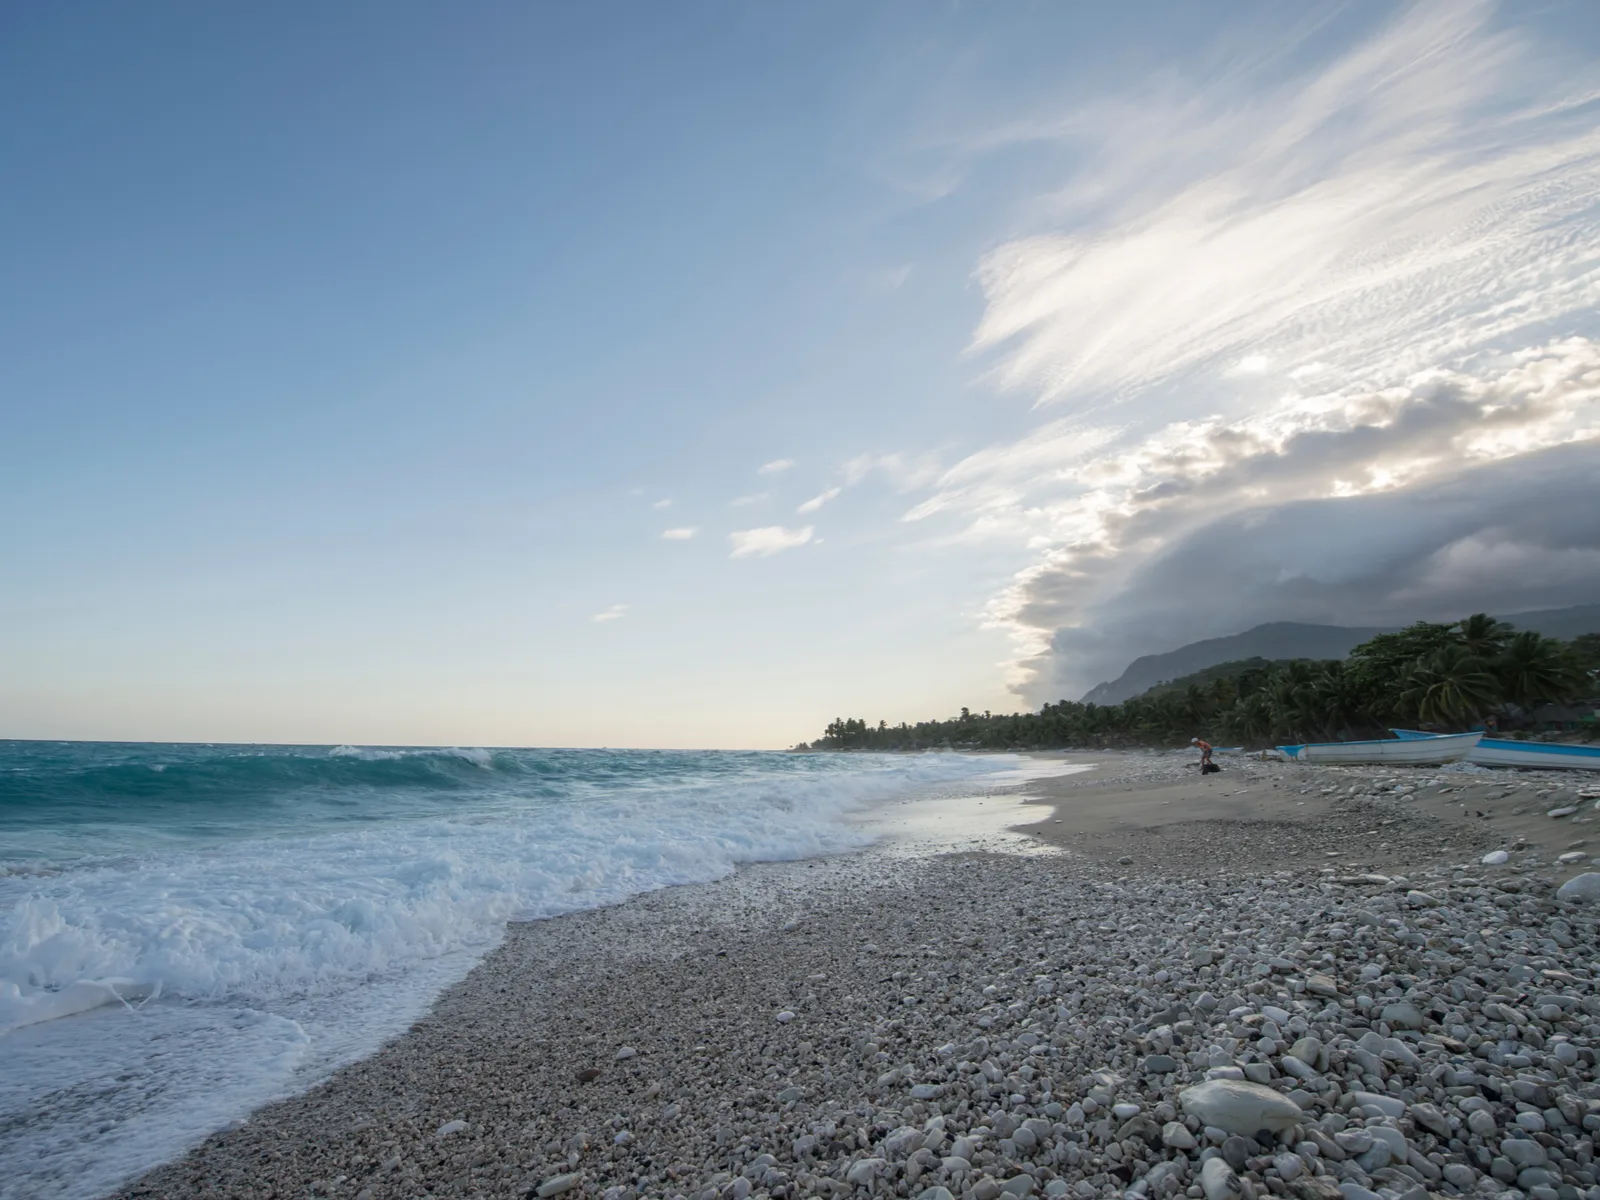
(690,375)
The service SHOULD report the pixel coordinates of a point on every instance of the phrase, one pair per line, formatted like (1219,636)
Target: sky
(690,375)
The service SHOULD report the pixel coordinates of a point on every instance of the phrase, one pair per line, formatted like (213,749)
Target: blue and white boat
(1504,752)
(1427,751)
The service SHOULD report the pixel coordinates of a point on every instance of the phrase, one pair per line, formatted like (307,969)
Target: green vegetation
(1445,677)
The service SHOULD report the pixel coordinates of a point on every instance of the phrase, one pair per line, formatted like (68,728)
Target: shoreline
(795,1028)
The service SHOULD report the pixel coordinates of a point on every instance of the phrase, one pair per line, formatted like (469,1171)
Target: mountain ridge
(1294,639)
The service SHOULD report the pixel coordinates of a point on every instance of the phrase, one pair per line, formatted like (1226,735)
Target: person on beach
(1205,753)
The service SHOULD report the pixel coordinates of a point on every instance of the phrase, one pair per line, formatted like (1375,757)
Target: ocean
(188,931)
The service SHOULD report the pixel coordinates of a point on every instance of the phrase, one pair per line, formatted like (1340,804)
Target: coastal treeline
(1442,677)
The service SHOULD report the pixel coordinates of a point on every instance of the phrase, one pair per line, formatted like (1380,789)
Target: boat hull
(1400,752)
(1503,752)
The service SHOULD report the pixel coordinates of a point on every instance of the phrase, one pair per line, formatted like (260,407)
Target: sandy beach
(1275,980)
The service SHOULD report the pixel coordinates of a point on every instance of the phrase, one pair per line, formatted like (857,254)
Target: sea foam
(245,921)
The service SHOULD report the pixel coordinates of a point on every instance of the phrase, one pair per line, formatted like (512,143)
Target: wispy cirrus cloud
(767,541)
(1424,194)
(776,467)
(615,613)
(1374,279)
(747,501)
(817,501)
(681,534)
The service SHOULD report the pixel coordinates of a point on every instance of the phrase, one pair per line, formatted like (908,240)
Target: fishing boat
(1503,752)
(1400,752)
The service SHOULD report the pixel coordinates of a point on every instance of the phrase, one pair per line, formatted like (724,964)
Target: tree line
(1442,677)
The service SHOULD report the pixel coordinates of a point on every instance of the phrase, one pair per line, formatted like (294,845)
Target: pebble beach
(1279,980)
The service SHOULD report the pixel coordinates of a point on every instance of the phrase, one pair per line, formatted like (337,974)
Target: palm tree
(1451,686)
(1249,719)
(1224,691)
(1483,635)
(1337,705)
(1535,670)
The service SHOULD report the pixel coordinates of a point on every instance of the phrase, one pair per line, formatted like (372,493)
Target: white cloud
(679,535)
(816,502)
(614,613)
(905,472)
(746,501)
(660,504)
(1404,238)
(769,540)
(1424,194)
(1137,504)
(776,467)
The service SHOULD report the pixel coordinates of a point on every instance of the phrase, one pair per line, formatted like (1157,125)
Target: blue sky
(358,360)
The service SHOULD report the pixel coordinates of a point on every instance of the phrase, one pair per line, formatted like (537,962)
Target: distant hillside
(1288,639)
(1563,623)
(1280,639)
(1225,670)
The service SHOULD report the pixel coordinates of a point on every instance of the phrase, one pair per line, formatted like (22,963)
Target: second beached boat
(1410,752)
(1503,752)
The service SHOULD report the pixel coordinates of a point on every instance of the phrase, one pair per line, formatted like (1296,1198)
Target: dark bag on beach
(1209,768)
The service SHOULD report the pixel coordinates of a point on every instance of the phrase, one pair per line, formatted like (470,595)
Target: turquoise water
(187,931)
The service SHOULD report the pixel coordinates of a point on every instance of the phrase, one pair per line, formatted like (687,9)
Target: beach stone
(1326,1146)
(1404,1015)
(864,1170)
(1524,1152)
(1176,1136)
(1495,858)
(1218,1181)
(450,1127)
(935,1193)
(1307,1050)
(1297,1068)
(1481,1123)
(1431,1119)
(625,1053)
(1566,810)
(1389,1106)
(1236,1151)
(1459,1175)
(1322,985)
(1240,1107)
(1581,889)
(557,1185)
(903,1142)
(1159,1064)
(1353,1141)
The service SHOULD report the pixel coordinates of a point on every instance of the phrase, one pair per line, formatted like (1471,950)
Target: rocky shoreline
(1209,1024)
